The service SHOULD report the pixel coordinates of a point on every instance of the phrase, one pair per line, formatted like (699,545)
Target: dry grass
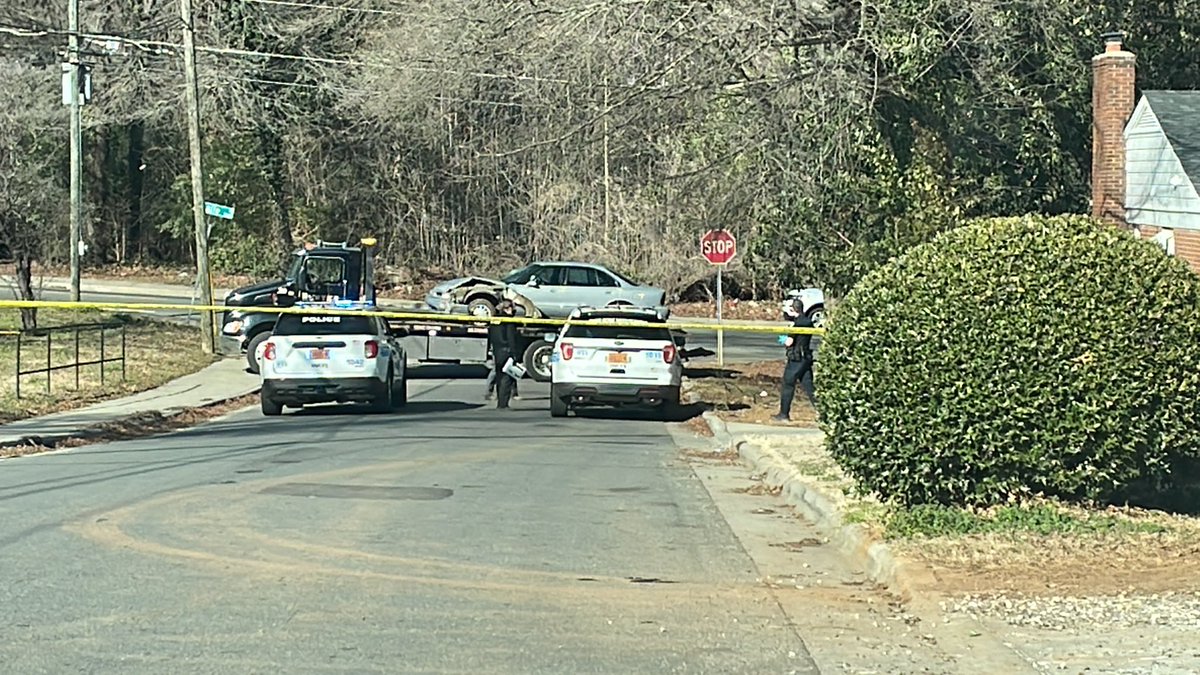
(749,393)
(1061,563)
(156,353)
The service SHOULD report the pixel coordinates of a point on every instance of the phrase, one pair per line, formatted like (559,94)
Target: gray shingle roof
(1179,114)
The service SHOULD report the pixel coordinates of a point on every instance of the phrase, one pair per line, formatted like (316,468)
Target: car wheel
(817,316)
(481,306)
(400,393)
(252,350)
(270,407)
(558,406)
(537,360)
(668,410)
(384,402)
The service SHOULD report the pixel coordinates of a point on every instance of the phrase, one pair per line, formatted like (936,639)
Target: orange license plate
(320,354)
(618,358)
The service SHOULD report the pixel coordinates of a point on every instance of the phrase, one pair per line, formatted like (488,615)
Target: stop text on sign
(718,247)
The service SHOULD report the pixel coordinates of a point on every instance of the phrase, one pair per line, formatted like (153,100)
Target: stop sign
(718,246)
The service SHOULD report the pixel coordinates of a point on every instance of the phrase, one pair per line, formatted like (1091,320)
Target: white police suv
(622,356)
(332,358)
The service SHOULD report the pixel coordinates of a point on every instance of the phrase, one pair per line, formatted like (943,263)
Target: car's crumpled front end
(446,295)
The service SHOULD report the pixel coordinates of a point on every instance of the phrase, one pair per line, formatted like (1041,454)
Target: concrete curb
(852,540)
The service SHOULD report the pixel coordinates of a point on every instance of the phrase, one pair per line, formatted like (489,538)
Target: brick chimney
(1112,105)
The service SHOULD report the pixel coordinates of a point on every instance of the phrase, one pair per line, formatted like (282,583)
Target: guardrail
(77,330)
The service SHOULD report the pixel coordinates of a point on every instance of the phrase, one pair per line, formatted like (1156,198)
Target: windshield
(293,268)
(522,275)
(304,324)
(620,332)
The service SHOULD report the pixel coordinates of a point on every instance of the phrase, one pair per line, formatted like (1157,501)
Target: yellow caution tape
(424,317)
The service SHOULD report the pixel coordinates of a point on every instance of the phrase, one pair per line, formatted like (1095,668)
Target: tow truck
(341,271)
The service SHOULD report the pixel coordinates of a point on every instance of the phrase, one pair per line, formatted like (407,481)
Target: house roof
(1178,114)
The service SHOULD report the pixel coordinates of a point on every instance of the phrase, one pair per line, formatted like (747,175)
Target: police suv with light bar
(628,357)
(332,358)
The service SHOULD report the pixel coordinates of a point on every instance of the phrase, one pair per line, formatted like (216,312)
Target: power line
(162,46)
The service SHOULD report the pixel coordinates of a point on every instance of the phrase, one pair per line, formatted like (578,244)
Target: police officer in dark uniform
(799,363)
(502,337)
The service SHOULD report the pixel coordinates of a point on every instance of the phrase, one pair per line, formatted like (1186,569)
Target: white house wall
(1158,191)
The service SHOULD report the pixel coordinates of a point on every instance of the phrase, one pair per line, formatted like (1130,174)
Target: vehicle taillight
(669,353)
(269,351)
(567,349)
(372,348)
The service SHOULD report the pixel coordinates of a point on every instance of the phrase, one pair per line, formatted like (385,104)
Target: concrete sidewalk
(219,382)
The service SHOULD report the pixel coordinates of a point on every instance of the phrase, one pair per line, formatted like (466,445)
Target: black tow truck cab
(328,271)
(317,272)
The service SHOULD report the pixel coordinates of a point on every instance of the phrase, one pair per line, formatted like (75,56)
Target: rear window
(317,324)
(659,333)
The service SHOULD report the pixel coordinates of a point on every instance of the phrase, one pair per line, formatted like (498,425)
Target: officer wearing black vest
(799,363)
(502,337)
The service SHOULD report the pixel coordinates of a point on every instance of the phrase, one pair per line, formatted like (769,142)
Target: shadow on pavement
(711,373)
(447,371)
(682,413)
(411,408)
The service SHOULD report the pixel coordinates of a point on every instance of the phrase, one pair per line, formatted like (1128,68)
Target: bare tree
(31,191)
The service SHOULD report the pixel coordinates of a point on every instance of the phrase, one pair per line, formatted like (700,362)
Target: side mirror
(533,282)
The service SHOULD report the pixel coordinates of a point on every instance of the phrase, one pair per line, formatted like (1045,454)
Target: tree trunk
(133,225)
(25,289)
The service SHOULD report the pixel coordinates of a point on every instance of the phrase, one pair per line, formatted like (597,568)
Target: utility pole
(193,110)
(76,144)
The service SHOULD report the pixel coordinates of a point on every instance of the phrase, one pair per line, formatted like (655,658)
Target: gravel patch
(1173,610)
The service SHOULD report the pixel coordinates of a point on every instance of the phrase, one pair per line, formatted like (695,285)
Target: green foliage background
(1016,357)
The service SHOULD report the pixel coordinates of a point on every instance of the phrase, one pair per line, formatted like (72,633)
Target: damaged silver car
(555,289)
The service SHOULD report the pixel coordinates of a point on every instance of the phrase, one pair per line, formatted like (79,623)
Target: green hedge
(1015,357)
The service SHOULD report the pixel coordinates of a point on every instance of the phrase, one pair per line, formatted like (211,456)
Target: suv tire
(558,404)
(270,407)
(385,402)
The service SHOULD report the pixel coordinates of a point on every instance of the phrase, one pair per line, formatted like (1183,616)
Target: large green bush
(1015,357)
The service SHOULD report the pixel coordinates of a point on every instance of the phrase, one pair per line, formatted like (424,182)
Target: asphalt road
(448,537)
(740,347)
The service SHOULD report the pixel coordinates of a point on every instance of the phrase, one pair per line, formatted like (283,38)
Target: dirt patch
(749,393)
(141,425)
(698,426)
(1061,565)
(726,456)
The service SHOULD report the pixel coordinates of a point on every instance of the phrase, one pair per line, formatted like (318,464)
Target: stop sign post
(719,247)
